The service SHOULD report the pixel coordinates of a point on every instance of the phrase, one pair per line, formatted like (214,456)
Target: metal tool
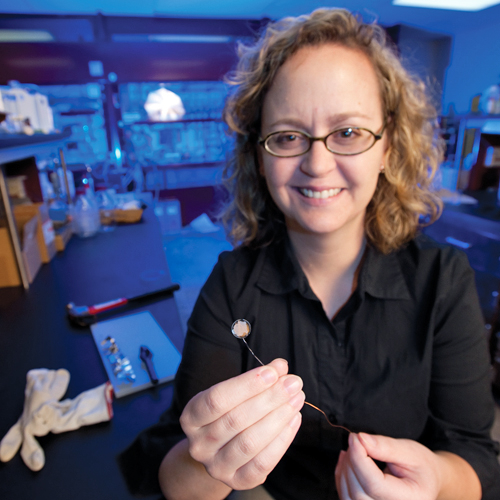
(147,357)
(121,365)
(87,315)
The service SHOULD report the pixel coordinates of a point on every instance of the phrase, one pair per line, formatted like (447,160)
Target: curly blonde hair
(402,198)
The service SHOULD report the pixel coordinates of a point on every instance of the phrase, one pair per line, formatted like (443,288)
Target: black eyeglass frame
(377,137)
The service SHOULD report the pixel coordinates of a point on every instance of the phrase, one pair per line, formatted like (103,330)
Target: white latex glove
(90,407)
(44,413)
(42,386)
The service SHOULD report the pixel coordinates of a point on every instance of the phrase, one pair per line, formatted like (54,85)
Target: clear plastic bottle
(107,208)
(86,219)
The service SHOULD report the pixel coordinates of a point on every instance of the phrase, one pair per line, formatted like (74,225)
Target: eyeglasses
(346,141)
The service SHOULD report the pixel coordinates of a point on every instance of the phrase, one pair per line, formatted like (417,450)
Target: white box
(44,113)
(9,101)
(24,105)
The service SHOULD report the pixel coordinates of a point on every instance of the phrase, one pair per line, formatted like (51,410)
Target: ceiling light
(467,5)
(138,37)
(164,106)
(25,36)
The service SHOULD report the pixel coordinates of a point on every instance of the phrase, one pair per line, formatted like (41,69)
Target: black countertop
(35,333)
(487,207)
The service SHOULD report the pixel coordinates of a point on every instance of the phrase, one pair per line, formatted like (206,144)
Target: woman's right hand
(240,428)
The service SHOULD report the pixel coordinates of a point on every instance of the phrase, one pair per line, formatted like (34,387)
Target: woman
(379,327)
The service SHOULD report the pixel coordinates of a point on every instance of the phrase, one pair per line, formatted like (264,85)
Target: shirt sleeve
(460,401)
(210,354)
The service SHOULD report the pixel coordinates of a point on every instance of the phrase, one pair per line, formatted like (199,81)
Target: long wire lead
(253,354)
(327,419)
(305,402)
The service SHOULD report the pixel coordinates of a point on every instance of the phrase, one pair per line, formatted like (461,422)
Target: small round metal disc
(241,328)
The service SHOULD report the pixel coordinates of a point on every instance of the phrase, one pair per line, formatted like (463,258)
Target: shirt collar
(281,272)
(381,275)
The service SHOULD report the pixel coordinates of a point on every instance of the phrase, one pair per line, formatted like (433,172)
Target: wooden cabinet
(13,148)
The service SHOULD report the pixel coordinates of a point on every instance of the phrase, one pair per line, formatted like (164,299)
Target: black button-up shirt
(405,357)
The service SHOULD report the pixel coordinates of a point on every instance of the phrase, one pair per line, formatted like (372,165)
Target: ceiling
(436,20)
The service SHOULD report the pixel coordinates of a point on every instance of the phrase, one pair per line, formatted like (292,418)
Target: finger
(354,487)
(363,473)
(341,478)
(245,446)
(209,405)
(281,366)
(398,453)
(343,491)
(257,470)
(339,468)
(339,475)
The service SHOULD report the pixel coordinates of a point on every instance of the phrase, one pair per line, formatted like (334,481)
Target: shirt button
(340,343)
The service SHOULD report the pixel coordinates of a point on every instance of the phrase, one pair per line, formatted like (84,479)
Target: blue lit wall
(475,66)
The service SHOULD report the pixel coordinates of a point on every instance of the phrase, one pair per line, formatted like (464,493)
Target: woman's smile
(322,194)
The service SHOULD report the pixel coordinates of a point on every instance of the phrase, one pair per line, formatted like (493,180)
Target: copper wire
(327,419)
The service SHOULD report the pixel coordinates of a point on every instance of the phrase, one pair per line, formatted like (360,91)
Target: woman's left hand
(412,470)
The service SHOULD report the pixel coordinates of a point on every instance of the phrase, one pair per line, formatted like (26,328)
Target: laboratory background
(112,152)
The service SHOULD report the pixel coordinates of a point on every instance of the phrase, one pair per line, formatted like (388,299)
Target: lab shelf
(485,124)
(18,146)
(188,120)
(13,148)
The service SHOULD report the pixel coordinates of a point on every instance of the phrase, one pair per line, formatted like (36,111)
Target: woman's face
(318,90)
